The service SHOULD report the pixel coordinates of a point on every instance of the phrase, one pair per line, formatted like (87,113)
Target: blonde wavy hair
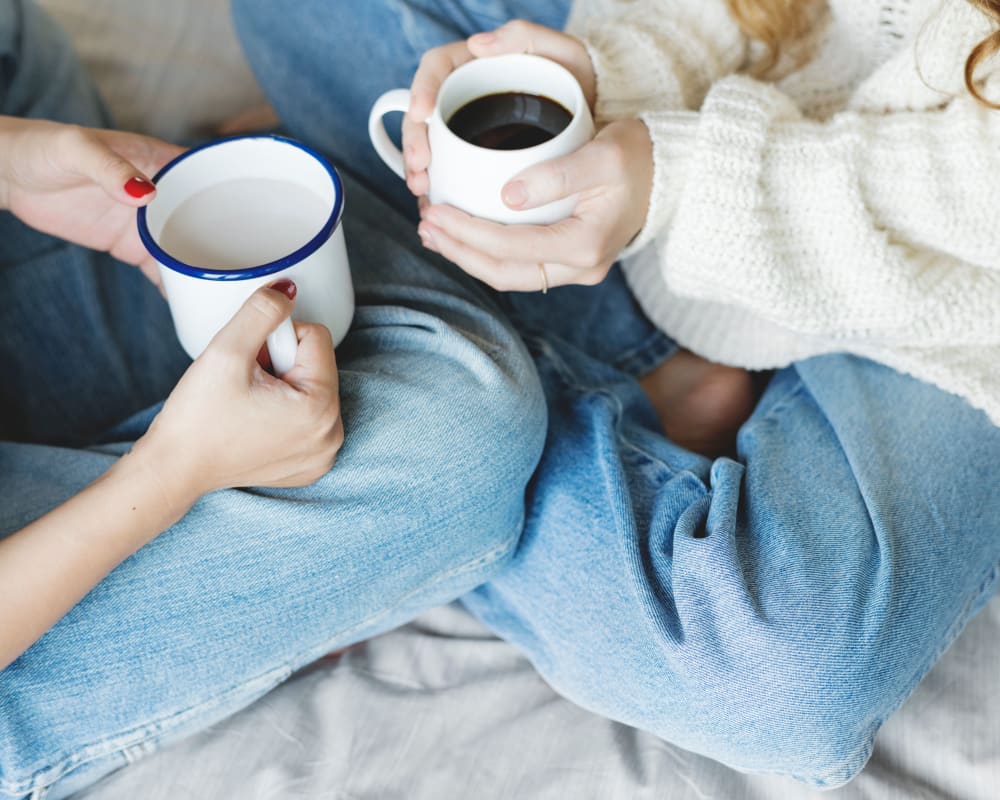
(776,22)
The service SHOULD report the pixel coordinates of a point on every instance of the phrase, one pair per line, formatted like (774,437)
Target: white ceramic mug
(470,177)
(204,297)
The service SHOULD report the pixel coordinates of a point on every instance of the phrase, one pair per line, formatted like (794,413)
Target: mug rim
(511,154)
(246,273)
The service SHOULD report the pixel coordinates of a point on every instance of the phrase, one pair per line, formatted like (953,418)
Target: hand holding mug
(600,186)
(611,179)
(237,214)
(81,184)
(492,118)
(229,423)
(436,65)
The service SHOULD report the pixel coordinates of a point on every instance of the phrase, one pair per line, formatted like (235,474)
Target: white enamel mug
(470,177)
(203,298)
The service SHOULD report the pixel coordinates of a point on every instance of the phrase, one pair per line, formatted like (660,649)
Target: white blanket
(440,710)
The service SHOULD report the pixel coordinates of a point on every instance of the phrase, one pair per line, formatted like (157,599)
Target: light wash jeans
(445,423)
(769,611)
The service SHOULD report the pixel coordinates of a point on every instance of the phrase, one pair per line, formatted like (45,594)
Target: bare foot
(701,405)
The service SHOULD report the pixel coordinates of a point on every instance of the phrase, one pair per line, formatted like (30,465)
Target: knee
(800,706)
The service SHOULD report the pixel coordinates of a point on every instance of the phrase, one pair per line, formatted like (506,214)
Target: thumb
(118,176)
(244,335)
(587,168)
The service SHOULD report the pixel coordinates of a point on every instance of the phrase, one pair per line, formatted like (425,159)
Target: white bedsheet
(440,709)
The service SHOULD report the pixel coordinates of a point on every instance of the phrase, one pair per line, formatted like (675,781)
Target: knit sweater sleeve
(882,229)
(655,56)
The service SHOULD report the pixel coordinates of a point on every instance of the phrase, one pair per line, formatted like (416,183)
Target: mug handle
(396,100)
(282,346)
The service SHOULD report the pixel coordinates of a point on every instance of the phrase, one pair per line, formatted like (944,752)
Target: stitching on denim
(569,379)
(651,352)
(137,737)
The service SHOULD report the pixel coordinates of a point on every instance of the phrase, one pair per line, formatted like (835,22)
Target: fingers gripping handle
(396,100)
(282,346)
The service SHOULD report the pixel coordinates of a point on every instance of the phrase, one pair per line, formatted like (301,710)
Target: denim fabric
(769,611)
(445,422)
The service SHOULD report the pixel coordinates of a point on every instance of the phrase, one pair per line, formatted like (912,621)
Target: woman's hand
(613,177)
(437,64)
(81,184)
(229,423)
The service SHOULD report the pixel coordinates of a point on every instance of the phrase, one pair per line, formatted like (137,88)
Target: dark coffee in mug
(510,121)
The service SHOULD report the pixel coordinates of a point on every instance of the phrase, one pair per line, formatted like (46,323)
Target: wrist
(168,486)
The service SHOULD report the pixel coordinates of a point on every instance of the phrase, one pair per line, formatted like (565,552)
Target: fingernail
(515,194)
(485,38)
(138,187)
(426,236)
(286,287)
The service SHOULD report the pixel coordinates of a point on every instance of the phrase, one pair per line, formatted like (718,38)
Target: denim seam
(129,741)
(568,377)
(647,355)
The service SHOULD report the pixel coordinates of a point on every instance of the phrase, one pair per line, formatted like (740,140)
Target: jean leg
(445,421)
(324,64)
(40,76)
(769,612)
(84,340)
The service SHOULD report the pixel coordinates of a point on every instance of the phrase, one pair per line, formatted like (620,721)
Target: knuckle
(591,251)
(432,60)
(555,178)
(267,304)
(73,138)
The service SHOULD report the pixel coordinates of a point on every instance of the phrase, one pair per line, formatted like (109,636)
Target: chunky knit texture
(851,204)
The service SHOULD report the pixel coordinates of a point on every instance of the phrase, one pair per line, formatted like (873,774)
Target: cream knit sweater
(851,205)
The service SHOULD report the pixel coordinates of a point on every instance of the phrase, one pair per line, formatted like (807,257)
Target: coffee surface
(510,121)
(243,223)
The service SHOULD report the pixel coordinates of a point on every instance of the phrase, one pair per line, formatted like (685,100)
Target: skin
(613,176)
(227,423)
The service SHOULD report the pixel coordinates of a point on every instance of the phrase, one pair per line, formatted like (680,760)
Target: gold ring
(545,278)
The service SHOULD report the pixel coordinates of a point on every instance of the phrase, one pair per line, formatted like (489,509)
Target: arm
(81,184)
(872,228)
(226,424)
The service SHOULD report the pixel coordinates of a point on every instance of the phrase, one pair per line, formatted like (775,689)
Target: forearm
(49,566)
(869,229)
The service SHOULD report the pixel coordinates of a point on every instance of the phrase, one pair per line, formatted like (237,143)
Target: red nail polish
(286,287)
(138,187)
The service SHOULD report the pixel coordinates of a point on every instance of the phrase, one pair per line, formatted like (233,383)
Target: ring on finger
(545,277)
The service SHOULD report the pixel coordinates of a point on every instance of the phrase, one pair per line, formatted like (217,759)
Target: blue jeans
(445,423)
(769,611)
